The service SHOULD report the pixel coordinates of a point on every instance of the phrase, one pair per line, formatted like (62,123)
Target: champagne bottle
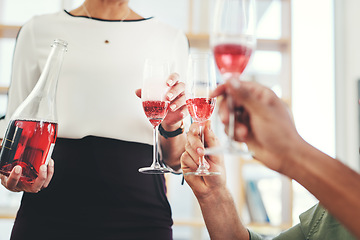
(32,130)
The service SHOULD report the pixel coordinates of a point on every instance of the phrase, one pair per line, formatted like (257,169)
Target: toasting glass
(155,104)
(200,82)
(233,42)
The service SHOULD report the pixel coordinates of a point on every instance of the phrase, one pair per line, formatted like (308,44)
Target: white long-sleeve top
(100,73)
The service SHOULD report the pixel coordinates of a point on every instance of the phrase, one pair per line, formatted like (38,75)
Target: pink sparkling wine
(232,58)
(28,144)
(201,109)
(156,111)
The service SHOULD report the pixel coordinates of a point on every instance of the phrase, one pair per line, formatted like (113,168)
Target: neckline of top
(106,20)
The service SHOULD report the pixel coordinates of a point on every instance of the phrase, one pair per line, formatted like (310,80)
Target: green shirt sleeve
(254,236)
(293,233)
(316,224)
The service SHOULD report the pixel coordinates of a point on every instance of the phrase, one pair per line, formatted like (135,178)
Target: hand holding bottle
(13,183)
(32,130)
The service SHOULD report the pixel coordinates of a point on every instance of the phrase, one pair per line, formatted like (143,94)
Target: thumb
(209,136)
(211,141)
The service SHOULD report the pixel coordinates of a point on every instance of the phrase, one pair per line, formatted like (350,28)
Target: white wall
(313,94)
(347,42)
(317,81)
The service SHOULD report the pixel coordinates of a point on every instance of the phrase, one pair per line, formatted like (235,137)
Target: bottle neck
(47,83)
(41,102)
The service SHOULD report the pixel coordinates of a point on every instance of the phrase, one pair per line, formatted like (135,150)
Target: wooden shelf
(268,225)
(7,31)
(7,216)
(8,212)
(268,229)
(273,44)
(4,90)
(190,222)
(202,41)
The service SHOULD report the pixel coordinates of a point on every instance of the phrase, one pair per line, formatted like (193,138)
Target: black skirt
(97,193)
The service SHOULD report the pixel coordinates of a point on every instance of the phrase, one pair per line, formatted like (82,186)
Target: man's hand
(194,149)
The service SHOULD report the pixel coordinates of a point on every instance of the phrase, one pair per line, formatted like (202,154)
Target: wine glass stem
(231,118)
(155,163)
(202,165)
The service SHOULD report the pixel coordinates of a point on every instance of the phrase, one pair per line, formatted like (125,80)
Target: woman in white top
(96,191)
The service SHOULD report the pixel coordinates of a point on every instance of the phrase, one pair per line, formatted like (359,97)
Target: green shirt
(315,223)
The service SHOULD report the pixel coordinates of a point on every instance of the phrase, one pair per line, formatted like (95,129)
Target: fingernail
(51,163)
(235,83)
(170,82)
(172,107)
(170,96)
(43,168)
(17,169)
(200,151)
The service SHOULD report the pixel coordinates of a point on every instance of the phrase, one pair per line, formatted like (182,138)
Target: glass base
(155,170)
(203,173)
(232,148)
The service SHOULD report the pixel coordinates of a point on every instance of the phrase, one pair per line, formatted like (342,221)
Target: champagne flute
(155,104)
(233,42)
(200,82)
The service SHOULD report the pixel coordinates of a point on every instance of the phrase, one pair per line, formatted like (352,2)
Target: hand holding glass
(233,42)
(200,82)
(155,104)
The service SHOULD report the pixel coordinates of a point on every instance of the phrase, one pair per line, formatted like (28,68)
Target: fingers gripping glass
(200,82)
(233,42)
(155,105)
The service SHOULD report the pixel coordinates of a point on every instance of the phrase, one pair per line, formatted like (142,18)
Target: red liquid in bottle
(232,58)
(27,143)
(201,109)
(155,111)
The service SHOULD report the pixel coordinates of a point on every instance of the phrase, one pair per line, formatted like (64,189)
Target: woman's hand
(194,149)
(14,184)
(176,96)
